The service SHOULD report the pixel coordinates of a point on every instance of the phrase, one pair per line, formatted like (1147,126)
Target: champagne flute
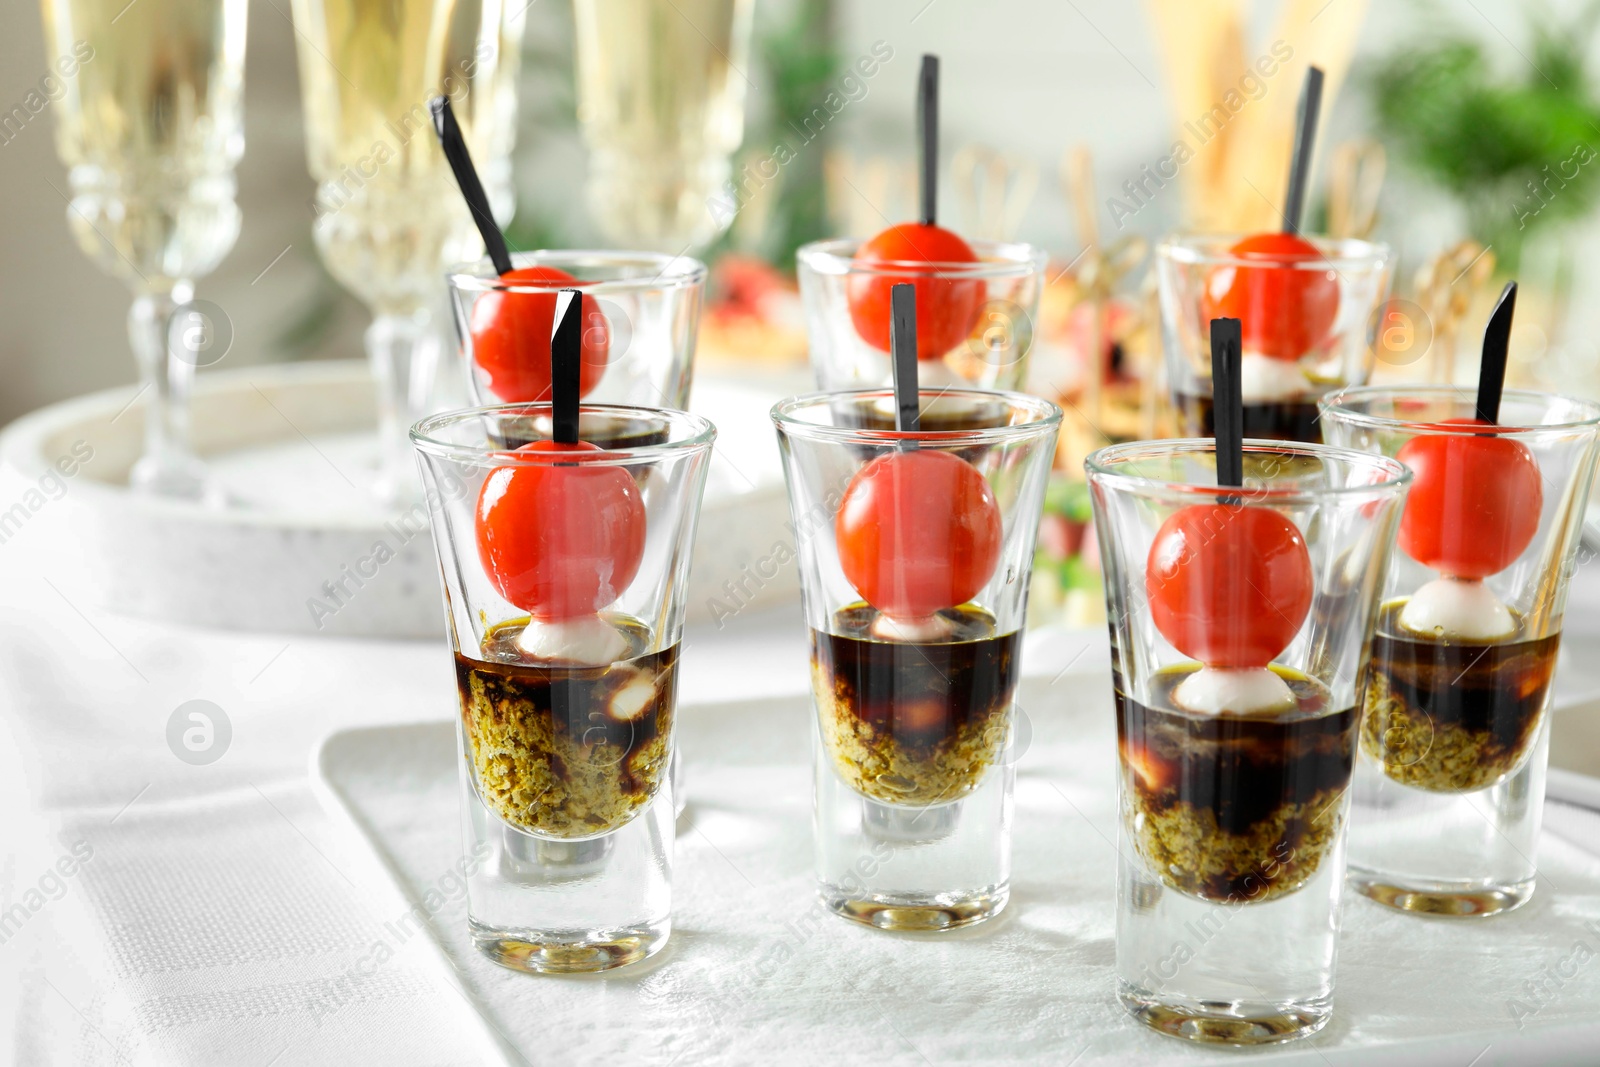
(661,86)
(150,127)
(388,215)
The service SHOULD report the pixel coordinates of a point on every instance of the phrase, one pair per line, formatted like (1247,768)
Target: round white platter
(295,549)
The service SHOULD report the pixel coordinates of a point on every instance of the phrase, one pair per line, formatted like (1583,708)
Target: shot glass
(563,581)
(1233,782)
(641,316)
(1449,787)
(975,326)
(915,551)
(1308,325)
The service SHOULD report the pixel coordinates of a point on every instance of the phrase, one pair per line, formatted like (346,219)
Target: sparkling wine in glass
(150,128)
(389,216)
(661,86)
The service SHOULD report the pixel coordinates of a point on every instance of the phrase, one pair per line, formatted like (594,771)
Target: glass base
(936,913)
(529,860)
(1453,900)
(909,825)
(178,476)
(569,951)
(569,906)
(1218,1022)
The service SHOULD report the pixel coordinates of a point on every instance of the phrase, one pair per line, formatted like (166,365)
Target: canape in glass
(641,318)
(1308,325)
(915,552)
(984,312)
(1239,625)
(1455,735)
(564,576)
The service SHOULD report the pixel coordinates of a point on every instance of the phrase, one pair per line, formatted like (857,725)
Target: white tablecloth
(154,911)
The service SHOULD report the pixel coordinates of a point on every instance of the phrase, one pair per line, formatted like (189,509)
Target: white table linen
(221,908)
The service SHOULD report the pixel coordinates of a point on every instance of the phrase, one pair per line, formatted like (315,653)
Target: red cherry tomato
(947,308)
(511,337)
(1283,313)
(1474,502)
(1228,586)
(917,532)
(560,541)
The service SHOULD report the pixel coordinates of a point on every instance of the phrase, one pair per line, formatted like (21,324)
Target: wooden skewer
(994,189)
(1354,184)
(1446,287)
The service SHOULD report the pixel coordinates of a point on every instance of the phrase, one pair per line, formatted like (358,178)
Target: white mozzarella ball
(586,641)
(1263,379)
(1242,691)
(1457,608)
(925,631)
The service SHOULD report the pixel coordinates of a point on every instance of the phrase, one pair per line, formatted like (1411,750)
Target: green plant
(1520,151)
(801,61)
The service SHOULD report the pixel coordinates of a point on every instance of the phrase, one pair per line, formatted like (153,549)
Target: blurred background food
(1465,136)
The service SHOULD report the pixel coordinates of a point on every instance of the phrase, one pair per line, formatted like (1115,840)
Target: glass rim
(1098,465)
(1334,405)
(997,259)
(672,272)
(703,434)
(1338,253)
(784,416)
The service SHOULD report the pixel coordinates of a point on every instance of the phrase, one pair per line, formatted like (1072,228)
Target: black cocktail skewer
(455,151)
(1305,142)
(1227,400)
(1496,345)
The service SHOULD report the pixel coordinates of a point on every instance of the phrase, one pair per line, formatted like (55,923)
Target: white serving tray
(292,445)
(755,973)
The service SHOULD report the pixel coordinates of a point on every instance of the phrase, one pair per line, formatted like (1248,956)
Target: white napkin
(212,916)
(229,931)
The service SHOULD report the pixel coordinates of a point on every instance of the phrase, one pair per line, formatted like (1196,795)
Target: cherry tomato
(1228,586)
(1474,502)
(559,541)
(1284,313)
(917,532)
(947,308)
(511,337)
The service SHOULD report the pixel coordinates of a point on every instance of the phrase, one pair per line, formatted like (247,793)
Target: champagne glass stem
(403,350)
(168,466)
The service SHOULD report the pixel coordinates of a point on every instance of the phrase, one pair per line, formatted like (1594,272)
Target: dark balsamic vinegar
(1278,420)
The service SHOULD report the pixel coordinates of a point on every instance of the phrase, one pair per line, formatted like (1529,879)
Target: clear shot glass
(641,316)
(915,551)
(1449,788)
(975,323)
(563,581)
(1233,783)
(1309,325)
